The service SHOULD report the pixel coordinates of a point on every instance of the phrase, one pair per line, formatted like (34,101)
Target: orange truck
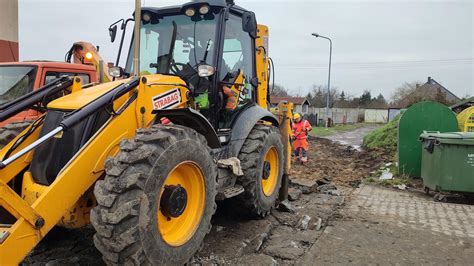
(20,78)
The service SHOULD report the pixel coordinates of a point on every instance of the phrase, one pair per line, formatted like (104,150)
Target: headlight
(206,70)
(88,55)
(146,17)
(190,12)
(204,9)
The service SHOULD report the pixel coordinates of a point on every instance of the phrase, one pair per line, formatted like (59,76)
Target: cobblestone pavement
(390,227)
(416,211)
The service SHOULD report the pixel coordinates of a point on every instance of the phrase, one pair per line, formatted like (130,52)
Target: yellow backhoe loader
(144,158)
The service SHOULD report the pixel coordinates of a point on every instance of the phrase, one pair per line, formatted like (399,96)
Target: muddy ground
(317,190)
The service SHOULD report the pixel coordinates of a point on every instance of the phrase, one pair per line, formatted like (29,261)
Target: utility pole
(329,75)
(136,38)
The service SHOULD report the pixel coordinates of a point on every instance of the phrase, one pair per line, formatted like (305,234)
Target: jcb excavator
(145,157)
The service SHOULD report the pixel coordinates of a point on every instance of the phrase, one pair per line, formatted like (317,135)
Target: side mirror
(249,23)
(113,33)
(206,71)
(116,72)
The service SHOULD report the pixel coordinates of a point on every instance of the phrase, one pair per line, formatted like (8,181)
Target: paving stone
(255,259)
(255,244)
(294,194)
(286,249)
(286,206)
(307,186)
(304,222)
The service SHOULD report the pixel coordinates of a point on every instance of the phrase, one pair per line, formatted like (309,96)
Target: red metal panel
(8,51)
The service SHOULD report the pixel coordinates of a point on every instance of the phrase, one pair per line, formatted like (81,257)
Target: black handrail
(31,99)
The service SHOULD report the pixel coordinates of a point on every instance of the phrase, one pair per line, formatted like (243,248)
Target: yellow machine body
(68,200)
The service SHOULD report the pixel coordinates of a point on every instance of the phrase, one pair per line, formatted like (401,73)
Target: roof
(294,100)
(51,64)
(467,102)
(428,91)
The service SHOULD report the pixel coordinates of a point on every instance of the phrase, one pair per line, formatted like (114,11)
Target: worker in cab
(300,128)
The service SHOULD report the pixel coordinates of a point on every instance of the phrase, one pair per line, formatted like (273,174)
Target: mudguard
(193,119)
(244,124)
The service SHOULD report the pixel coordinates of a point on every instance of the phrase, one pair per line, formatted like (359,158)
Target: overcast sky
(377,45)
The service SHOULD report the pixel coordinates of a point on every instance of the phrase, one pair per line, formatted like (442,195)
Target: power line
(388,64)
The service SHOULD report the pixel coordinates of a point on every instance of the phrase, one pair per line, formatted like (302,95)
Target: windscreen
(174,41)
(16,81)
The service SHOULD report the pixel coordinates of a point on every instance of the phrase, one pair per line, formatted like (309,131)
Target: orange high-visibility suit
(300,134)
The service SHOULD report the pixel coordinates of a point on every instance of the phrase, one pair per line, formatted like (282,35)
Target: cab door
(236,70)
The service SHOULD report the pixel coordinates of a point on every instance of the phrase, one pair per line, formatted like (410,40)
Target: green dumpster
(447,161)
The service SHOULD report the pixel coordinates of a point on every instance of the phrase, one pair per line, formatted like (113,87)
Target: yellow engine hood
(81,98)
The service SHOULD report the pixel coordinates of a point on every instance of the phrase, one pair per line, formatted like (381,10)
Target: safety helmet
(296,116)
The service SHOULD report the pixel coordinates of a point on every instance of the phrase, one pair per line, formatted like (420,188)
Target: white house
(301,104)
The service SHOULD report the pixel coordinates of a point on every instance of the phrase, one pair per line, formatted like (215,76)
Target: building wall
(338,115)
(376,116)
(392,113)
(9,50)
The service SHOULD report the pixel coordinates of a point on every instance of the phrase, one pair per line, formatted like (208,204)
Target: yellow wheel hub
(270,171)
(182,203)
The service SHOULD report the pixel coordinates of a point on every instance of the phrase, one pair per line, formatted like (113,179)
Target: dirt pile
(385,137)
(341,164)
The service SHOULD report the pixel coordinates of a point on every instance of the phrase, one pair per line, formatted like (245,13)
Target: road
(353,138)
(385,226)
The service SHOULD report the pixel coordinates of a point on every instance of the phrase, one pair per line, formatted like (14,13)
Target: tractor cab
(210,46)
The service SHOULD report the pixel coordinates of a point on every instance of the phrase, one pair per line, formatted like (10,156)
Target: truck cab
(20,78)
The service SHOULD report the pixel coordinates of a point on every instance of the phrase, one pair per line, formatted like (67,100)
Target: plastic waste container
(447,161)
(321,122)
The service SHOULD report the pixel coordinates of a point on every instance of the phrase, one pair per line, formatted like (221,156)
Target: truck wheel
(10,131)
(261,159)
(156,201)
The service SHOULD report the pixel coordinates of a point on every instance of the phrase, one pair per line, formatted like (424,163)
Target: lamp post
(329,75)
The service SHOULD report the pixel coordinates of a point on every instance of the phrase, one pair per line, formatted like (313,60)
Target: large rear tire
(156,201)
(262,161)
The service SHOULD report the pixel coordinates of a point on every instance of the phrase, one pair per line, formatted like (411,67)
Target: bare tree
(278,91)
(404,91)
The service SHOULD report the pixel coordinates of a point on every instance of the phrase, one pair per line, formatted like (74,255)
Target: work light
(88,55)
(190,12)
(204,9)
(146,17)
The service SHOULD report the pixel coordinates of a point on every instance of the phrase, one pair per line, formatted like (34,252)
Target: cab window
(51,76)
(238,57)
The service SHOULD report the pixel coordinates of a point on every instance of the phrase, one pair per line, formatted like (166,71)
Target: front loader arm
(72,182)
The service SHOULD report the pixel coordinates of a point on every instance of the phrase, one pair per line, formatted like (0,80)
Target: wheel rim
(270,171)
(176,231)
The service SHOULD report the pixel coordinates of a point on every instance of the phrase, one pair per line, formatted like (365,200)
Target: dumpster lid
(466,138)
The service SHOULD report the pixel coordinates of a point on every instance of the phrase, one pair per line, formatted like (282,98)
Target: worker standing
(300,128)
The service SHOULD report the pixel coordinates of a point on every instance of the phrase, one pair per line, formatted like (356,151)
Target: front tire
(157,199)
(262,161)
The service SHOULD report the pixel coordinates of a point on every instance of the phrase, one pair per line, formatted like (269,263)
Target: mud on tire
(128,197)
(253,202)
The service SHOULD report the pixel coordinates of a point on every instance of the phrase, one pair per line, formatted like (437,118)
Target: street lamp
(329,75)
